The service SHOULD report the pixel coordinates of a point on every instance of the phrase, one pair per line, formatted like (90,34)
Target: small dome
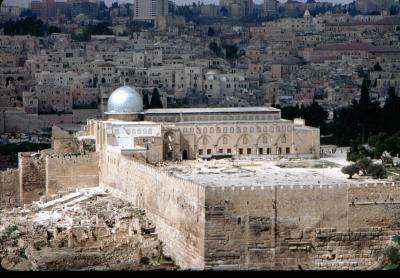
(125,100)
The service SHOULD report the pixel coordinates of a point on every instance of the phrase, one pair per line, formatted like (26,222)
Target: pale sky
(24,3)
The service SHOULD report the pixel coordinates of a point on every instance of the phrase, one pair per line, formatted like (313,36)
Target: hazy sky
(108,2)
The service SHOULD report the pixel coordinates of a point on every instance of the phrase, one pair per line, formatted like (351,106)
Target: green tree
(377,171)
(377,67)
(155,100)
(363,164)
(231,52)
(391,256)
(350,170)
(216,49)
(146,100)
(211,32)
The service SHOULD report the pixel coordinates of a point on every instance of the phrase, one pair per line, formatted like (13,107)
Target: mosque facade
(157,135)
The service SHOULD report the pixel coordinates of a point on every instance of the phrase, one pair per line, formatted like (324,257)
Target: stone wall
(19,121)
(175,206)
(32,173)
(329,227)
(9,188)
(64,172)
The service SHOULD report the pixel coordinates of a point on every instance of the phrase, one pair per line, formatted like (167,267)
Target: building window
(260,151)
(221,150)
(268,150)
(245,140)
(265,140)
(248,151)
(208,151)
(280,150)
(240,151)
(283,140)
(225,141)
(211,130)
(229,151)
(200,152)
(232,130)
(287,150)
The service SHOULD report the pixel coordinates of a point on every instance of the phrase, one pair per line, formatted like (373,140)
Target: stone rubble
(83,230)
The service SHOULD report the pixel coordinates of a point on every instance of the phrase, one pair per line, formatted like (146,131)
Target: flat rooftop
(227,172)
(211,110)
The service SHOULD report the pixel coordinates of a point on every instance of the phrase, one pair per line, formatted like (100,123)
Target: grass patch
(10,229)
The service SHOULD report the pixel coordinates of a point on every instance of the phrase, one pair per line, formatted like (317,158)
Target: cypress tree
(155,100)
(146,100)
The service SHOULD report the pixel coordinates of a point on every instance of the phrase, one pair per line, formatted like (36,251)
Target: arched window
(251,129)
(245,140)
(238,130)
(225,140)
(245,130)
(232,130)
(265,140)
(283,140)
(211,130)
(225,129)
(205,141)
(204,130)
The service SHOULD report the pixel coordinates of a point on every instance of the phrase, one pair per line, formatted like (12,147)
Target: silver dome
(125,100)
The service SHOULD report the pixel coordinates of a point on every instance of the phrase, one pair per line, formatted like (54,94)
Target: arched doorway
(185,155)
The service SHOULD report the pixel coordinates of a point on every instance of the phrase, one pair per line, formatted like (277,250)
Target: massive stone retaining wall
(32,177)
(175,206)
(9,188)
(327,227)
(70,171)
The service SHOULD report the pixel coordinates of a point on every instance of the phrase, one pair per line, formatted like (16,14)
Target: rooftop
(212,110)
(240,173)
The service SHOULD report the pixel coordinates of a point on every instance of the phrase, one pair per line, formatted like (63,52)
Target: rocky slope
(83,230)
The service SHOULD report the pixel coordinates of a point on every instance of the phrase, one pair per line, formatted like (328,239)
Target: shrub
(351,170)
(363,164)
(377,171)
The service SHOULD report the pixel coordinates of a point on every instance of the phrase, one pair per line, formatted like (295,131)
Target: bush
(363,164)
(377,171)
(351,170)
(391,256)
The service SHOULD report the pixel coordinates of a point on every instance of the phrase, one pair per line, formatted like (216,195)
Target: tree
(211,32)
(377,171)
(155,100)
(224,11)
(231,52)
(216,49)
(391,256)
(377,67)
(146,100)
(365,99)
(363,164)
(350,170)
